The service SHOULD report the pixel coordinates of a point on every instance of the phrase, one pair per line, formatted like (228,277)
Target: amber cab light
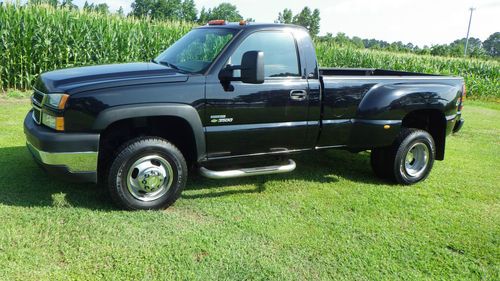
(217,22)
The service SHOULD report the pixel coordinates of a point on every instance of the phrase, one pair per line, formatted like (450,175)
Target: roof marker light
(217,22)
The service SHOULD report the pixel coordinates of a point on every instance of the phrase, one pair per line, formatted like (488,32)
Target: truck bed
(355,100)
(367,72)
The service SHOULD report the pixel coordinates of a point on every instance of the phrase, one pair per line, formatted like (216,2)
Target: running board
(276,169)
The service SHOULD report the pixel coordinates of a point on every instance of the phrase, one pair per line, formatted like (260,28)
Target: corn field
(482,77)
(34,39)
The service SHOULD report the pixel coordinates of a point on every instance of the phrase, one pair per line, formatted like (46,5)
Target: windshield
(196,50)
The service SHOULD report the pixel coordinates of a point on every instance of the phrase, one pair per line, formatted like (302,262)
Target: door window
(280,53)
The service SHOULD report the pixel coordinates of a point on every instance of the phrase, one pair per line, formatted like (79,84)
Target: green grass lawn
(330,219)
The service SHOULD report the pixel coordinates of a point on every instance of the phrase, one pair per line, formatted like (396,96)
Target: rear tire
(409,160)
(148,173)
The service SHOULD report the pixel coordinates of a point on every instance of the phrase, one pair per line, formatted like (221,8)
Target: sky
(421,22)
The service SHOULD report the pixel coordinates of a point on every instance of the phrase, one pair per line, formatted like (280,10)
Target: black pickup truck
(233,99)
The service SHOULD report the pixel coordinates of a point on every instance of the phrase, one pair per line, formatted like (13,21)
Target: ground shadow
(318,166)
(24,183)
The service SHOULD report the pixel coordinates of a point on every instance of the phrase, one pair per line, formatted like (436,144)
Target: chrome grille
(37,100)
(38,97)
(37,115)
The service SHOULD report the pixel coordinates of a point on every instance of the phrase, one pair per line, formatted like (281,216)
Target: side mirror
(252,69)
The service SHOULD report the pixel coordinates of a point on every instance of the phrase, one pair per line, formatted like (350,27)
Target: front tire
(409,160)
(148,173)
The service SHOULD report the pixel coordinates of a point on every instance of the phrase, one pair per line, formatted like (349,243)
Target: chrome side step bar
(276,169)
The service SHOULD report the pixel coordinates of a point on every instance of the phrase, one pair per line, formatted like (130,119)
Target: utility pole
(468,31)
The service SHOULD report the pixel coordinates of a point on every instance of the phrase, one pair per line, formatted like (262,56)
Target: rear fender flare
(395,101)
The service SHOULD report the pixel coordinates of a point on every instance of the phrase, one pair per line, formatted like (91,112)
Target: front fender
(184,111)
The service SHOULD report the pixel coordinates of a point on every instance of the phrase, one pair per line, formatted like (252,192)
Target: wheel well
(434,122)
(174,129)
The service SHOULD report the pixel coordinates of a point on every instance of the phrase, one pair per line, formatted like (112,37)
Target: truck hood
(75,80)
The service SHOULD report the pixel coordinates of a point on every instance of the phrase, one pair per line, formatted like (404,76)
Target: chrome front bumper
(75,162)
(72,156)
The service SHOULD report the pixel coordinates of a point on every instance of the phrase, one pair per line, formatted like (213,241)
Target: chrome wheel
(416,160)
(149,178)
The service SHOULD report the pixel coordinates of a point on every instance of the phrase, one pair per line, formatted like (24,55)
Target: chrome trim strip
(258,126)
(76,162)
(276,169)
(364,121)
(336,121)
(340,77)
(330,147)
(377,122)
(451,117)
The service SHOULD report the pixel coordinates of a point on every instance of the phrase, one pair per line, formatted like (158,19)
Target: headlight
(56,123)
(57,100)
(49,120)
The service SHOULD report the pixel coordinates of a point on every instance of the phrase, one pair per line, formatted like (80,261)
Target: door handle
(298,95)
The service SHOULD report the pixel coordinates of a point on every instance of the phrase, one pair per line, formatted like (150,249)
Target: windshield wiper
(171,65)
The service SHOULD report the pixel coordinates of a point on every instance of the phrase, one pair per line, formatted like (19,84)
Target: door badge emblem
(220,119)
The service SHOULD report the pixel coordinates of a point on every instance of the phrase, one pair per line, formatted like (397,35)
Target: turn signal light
(51,121)
(62,102)
(59,123)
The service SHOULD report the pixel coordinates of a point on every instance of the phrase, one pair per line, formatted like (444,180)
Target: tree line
(489,48)
(185,10)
